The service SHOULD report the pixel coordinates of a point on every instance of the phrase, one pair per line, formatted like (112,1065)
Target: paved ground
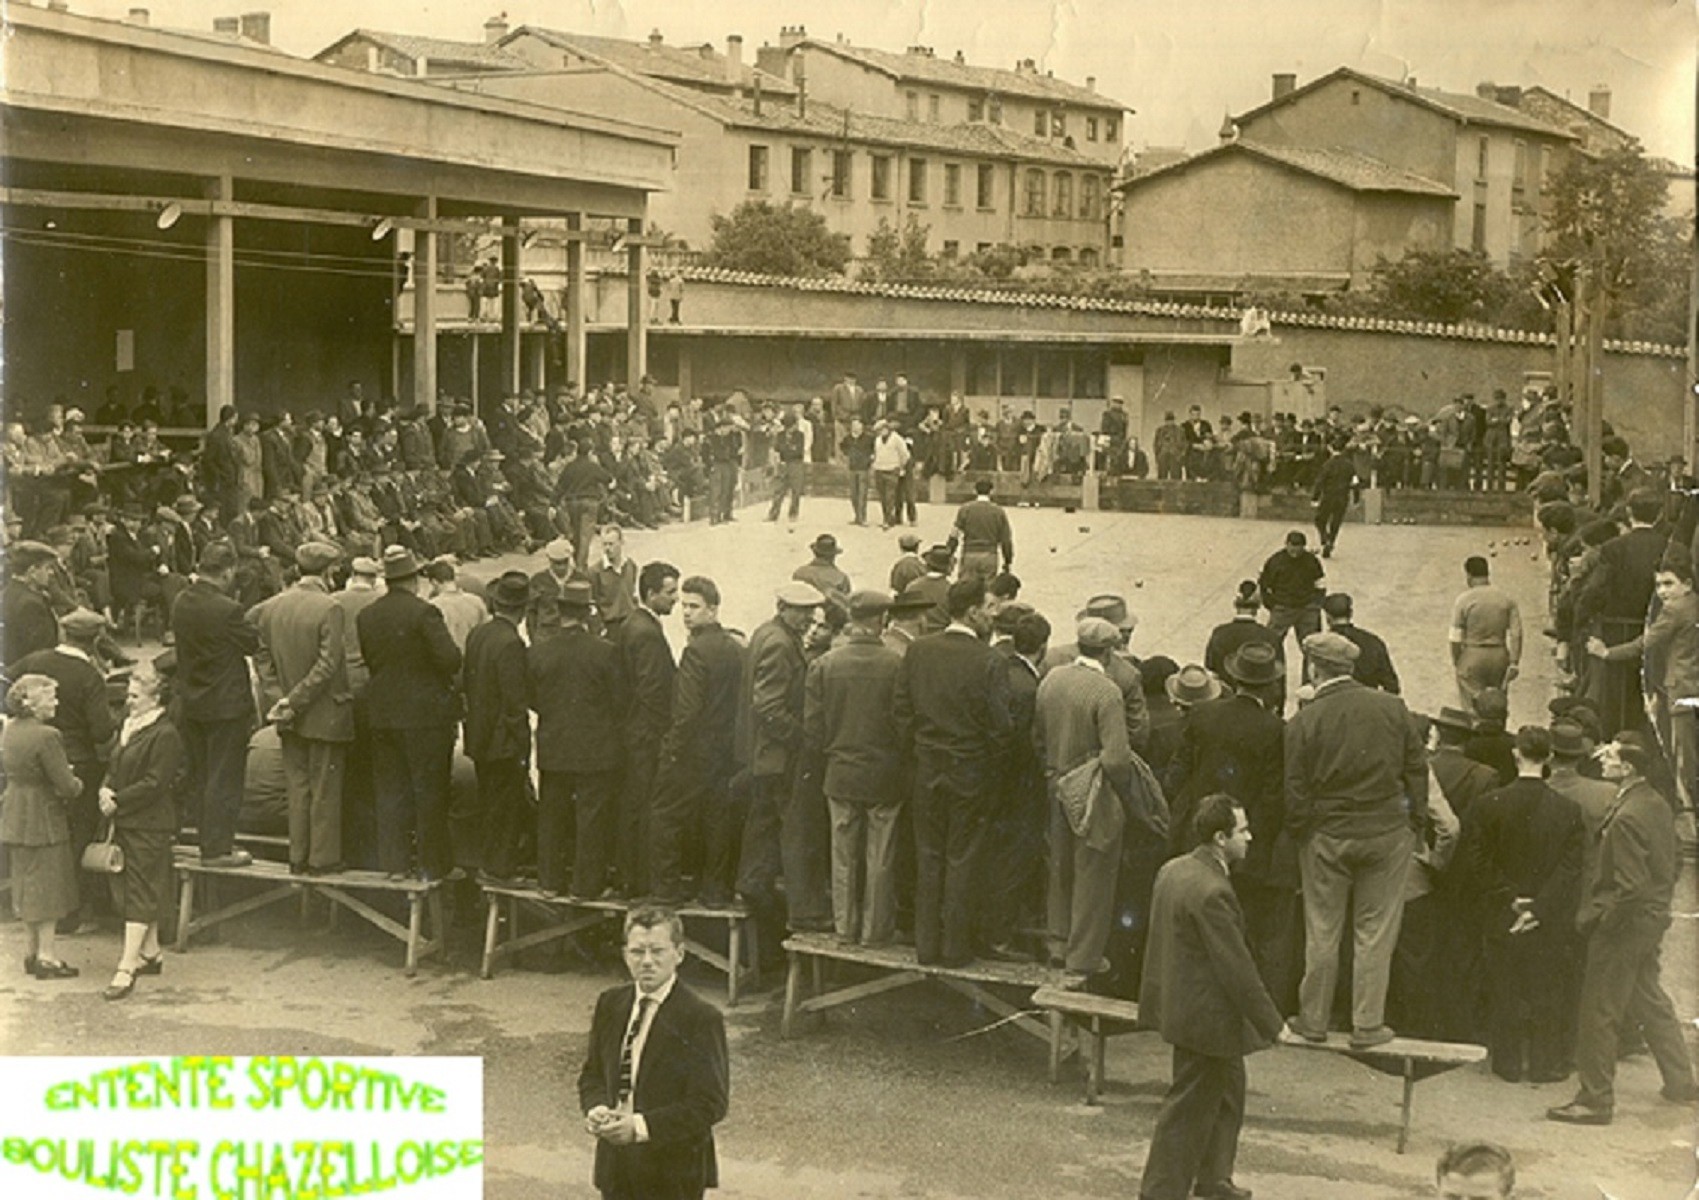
(899,1096)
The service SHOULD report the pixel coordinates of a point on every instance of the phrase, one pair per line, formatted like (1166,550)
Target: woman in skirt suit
(33,820)
(139,797)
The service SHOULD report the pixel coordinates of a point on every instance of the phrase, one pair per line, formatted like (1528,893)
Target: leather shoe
(119,991)
(151,966)
(1298,1030)
(1577,1113)
(1687,1093)
(29,964)
(46,968)
(1368,1039)
(1225,1190)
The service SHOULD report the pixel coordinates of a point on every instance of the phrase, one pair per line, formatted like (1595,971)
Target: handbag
(105,857)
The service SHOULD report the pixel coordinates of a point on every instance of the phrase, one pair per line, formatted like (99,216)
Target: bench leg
(492,926)
(793,985)
(414,912)
(819,975)
(1055,1046)
(1409,1098)
(1094,1064)
(734,959)
(752,942)
(185,910)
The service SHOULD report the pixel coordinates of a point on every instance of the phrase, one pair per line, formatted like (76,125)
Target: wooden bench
(900,969)
(1097,1014)
(1411,1058)
(564,917)
(335,888)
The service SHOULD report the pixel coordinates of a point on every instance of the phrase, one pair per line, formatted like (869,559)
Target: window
(1040,123)
(1034,205)
(987,186)
(982,363)
(1058,124)
(1015,376)
(932,103)
(952,249)
(1062,204)
(1088,256)
(802,165)
(917,181)
(1481,159)
(953,185)
(913,99)
(1478,228)
(1091,195)
(976,109)
(982,248)
(1356,97)
(1519,180)
(994,110)
(1061,254)
(1111,129)
(881,187)
(1054,366)
(842,161)
(758,168)
(1091,129)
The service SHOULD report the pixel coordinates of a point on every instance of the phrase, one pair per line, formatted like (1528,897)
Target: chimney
(1510,96)
(1411,83)
(227,25)
(1285,83)
(734,58)
(755,92)
(58,5)
(655,39)
(495,29)
(1486,89)
(801,77)
(1091,83)
(1228,132)
(705,51)
(916,52)
(256,27)
(961,59)
(1599,101)
(138,16)
(790,35)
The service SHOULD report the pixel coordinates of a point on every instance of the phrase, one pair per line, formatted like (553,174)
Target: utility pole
(1593,377)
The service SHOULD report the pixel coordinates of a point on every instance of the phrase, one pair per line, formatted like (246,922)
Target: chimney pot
(734,58)
(1091,83)
(495,29)
(1599,101)
(1285,83)
(655,39)
(960,57)
(1486,89)
(256,27)
(138,16)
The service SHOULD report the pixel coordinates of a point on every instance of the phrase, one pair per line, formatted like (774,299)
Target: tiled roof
(682,64)
(830,121)
(947,72)
(1458,106)
(1013,298)
(1581,113)
(1346,168)
(437,50)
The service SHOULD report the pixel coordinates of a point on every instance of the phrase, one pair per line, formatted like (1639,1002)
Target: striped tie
(625,1064)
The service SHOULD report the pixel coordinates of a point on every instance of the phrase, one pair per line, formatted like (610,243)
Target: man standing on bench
(1201,989)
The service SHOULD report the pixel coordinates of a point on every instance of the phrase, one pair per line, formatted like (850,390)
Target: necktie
(644,1003)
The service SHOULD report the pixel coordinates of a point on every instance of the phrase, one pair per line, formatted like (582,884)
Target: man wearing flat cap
(847,724)
(1078,720)
(413,705)
(779,835)
(303,668)
(1123,671)
(1356,800)
(908,566)
(559,570)
(27,622)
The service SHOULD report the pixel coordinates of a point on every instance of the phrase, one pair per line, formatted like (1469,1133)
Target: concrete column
(636,309)
(540,361)
(510,305)
(473,341)
(220,304)
(425,309)
(575,343)
(684,380)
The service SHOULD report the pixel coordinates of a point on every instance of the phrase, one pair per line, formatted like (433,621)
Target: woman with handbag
(33,820)
(138,799)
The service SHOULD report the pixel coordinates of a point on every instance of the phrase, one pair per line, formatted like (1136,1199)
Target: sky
(1181,64)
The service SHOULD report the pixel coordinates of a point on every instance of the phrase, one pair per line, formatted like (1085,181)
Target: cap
(826,546)
(909,542)
(869,603)
(82,623)
(1192,685)
(364,565)
(313,557)
(797,594)
(399,563)
(559,550)
(1333,648)
(1094,633)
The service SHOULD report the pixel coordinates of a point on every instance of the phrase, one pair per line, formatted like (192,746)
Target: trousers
(1366,877)
(504,813)
(312,774)
(1619,990)
(1196,1139)
(1081,896)
(949,832)
(575,813)
(216,751)
(864,855)
(410,774)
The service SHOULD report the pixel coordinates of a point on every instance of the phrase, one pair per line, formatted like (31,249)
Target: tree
(764,238)
(1438,285)
(899,255)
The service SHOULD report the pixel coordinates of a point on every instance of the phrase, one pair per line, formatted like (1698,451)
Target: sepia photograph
(967,599)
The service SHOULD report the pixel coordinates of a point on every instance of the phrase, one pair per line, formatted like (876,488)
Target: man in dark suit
(656,1079)
(1374,663)
(498,723)
(647,659)
(27,623)
(952,708)
(578,691)
(1627,569)
(769,744)
(697,761)
(412,708)
(1202,991)
(214,640)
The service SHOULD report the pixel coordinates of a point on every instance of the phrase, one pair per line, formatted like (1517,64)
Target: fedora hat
(912,602)
(511,590)
(1253,664)
(398,564)
(1193,685)
(1455,718)
(825,546)
(1111,608)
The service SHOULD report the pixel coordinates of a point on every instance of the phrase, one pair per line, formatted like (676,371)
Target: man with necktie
(655,1080)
